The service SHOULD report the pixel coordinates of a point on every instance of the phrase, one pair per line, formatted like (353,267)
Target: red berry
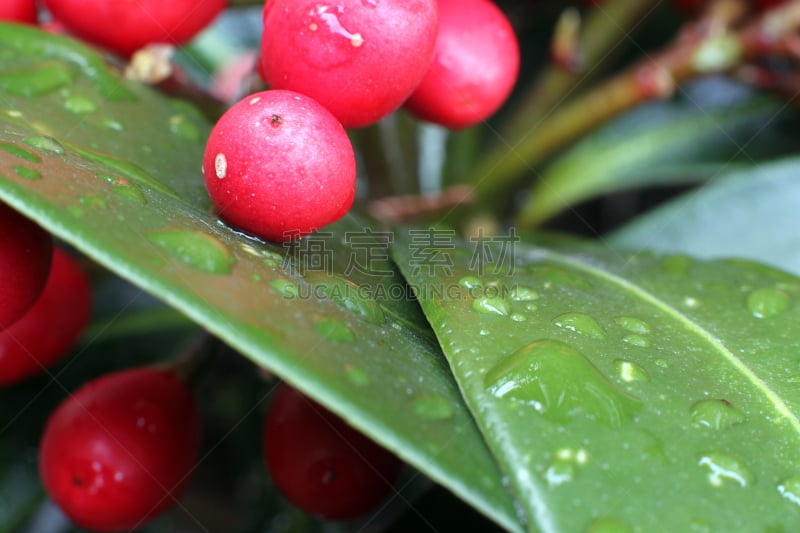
(358,58)
(25,255)
(278,165)
(51,327)
(474,67)
(319,463)
(127,26)
(18,11)
(120,449)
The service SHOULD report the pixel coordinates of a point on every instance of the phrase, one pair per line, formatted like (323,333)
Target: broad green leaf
(750,213)
(624,392)
(114,169)
(667,143)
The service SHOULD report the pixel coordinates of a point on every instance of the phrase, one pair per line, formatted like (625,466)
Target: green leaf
(750,213)
(641,392)
(666,143)
(114,169)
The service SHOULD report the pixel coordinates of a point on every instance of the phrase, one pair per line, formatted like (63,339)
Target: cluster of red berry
(279,163)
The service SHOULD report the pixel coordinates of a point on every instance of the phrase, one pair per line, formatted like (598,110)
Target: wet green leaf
(667,143)
(654,393)
(118,181)
(750,213)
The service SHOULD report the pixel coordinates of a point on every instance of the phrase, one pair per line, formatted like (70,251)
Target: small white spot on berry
(221,165)
(254,101)
(313,26)
(357,40)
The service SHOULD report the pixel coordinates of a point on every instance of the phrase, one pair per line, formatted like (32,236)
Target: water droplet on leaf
(767,303)
(432,407)
(196,249)
(634,325)
(79,105)
(723,468)
(521,293)
(636,340)
(183,127)
(491,306)
(470,282)
(715,414)
(348,295)
(561,383)
(580,323)
(38,80)
(630,371)
(45,144)
(790,489)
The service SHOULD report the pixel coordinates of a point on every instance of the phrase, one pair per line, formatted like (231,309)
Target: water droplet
(723,468)
(580,323)
(333,330)
(112,124)
(470,282)
(27,173)
(559,472)
(45,144)
(432,407)
(551,274)
(790,489)
(561,383)
(677,265)
(634,325)
(520,293)
(636,340)
(564,466)
(531,307)
(124,188)
(21,153)
(284,287)
(183,127)
(662,363)
(715,414)
(491,306)
(196,249)
(767,303)
(348,295)
(356,375)
(220,166)
(517,317)
(630,371)
(94,201)
(609,525)
(691,302)
(79,105)
(39,80)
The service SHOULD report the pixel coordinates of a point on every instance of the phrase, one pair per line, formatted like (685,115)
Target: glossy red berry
(25,256)
(18,11)
(319,463)
(119,451)
(278,165)
(474,67)
(51,327)
(358,58)
(127,26)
